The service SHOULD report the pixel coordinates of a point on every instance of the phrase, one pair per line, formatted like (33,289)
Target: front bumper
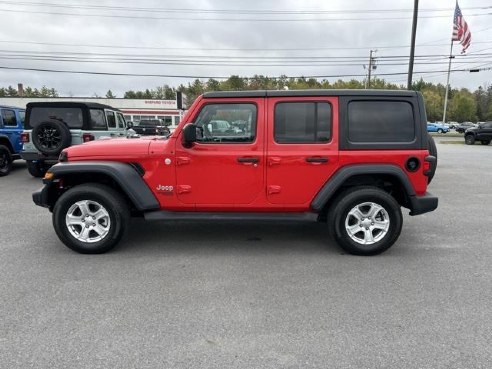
(41,196)
(423,204)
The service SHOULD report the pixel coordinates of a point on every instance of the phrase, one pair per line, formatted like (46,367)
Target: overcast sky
(220,32)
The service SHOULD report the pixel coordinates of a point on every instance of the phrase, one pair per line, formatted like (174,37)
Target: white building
(133,109)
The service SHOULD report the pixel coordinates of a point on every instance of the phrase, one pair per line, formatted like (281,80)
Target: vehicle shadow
(18,166)
(211,236)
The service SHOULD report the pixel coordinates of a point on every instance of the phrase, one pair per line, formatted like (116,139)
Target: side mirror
(129,125)
(189,134)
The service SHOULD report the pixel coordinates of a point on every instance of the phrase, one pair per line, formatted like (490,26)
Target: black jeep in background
(151,127)
(482,133)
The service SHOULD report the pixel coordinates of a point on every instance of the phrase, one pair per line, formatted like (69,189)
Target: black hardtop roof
(11,107)
(287,93)
(66,104)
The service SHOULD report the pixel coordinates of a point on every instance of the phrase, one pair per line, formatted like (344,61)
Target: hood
(112,148)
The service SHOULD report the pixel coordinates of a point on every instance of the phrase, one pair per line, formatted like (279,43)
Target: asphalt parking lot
(253,295)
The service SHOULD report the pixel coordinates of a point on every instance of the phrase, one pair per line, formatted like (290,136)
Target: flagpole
(447,83)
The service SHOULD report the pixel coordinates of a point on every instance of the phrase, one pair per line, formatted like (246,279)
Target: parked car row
(39,133)
(11,125)
(440,127)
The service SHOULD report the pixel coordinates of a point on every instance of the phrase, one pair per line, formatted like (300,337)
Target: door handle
(245,160)
(317,159)
(273,161)
(182,160)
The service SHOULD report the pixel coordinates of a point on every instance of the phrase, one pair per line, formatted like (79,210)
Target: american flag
(461,31)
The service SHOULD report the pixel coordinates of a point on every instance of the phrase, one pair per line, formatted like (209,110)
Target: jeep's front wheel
(90,218)
(365,220)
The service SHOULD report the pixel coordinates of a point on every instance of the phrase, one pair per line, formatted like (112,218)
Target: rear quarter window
(380,121)
(72,117)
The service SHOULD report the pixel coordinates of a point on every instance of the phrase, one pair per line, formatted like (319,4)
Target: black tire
(433,151)
(439,130)
(51,137)
(485,142)
(36,168)
(5,161)
(110,200)
(351,198)
(470,139)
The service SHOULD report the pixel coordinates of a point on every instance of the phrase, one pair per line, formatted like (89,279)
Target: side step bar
(176,215)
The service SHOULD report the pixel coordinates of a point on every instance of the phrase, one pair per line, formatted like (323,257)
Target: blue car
(11,123)
(437,127)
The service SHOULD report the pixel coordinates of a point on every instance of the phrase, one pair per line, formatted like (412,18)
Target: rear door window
(72,117)
(302,122)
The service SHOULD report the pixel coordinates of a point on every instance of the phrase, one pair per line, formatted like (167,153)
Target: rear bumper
(423,204)
(34,156)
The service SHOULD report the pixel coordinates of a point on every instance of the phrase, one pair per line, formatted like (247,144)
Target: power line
(227,19)
(228,11)
(62,54)
(216,77)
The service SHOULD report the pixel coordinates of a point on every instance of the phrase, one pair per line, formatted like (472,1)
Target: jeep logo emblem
(161,188)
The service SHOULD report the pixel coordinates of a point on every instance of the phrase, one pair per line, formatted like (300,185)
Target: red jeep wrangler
(348,158)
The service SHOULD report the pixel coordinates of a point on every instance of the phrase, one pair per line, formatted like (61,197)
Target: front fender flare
(123,174)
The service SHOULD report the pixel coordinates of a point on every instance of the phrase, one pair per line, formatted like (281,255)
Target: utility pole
(371,60)
(412,47)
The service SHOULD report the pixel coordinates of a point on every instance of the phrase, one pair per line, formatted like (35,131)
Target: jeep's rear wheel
(36,168)
(485,142)
(5,161)
(51,137)
(469,140)
(365,220)
(90,218)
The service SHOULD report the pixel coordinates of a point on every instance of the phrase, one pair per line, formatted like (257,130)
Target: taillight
(86,137)
(63,157)
(25,137)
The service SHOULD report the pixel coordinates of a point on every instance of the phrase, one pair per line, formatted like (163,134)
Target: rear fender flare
(345,173)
